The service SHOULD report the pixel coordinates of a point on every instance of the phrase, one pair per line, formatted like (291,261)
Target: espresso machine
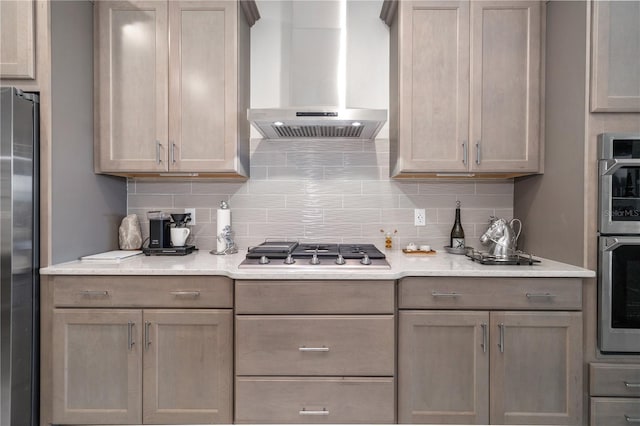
(160,224)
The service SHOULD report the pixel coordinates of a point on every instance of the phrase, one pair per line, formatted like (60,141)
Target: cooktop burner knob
(264,260)
(289,260)
(365,260)
(340,260)
(314,260)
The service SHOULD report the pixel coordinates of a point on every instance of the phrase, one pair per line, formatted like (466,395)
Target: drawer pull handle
(193,294)
(439,294)
(632,385)
(501,341)
(540,295)
(323,412)
(632,419)
(95,293)
(305,349)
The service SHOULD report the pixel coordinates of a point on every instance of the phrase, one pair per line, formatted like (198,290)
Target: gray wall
(552,206)
(86,208)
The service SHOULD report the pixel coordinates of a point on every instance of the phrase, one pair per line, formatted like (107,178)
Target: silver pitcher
(501,236)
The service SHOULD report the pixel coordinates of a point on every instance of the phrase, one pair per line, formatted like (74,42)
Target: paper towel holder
(225,236)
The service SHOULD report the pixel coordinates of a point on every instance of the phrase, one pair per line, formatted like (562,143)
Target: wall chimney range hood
(318,123)
(314,57)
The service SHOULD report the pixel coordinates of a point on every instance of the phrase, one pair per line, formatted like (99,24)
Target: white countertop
(402,265)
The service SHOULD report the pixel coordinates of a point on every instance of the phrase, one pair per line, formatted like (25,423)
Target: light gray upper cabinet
(615,56)
(466,84)
(172,87)
(17,55)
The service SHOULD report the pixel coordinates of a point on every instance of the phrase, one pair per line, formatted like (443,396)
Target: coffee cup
(425,247)
(179,236)
(411,247)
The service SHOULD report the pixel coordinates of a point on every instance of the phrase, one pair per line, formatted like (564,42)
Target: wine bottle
(457,233)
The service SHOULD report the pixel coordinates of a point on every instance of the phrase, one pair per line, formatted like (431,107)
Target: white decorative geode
(129,234)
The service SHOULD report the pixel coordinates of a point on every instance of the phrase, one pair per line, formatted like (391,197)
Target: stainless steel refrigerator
(19,289)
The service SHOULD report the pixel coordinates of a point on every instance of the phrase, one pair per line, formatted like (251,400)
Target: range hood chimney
(304,55)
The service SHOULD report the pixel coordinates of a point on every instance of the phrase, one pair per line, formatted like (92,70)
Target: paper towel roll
(223,219)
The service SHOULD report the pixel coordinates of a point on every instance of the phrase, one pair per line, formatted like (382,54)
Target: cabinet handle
(539,295)
(130,341)
(484,337)
(193,294)
(501,342)
(158,148)
(478,153)
(439,294)
(305,349)
(632,385)
(465,154)
(323,412)
(147,334)
(95,293)
(173,153)
(632,419)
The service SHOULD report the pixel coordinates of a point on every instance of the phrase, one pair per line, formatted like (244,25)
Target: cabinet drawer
(314,297)
(318,400)
(142,291)
(614,380)
(491,293)
(615,411)
(315,345)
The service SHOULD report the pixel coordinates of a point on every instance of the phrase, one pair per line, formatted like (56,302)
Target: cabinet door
(132,86)
(536,368)
(443,367)
(203,100)
(505,86)
(434,87)
(615,56)
(97,366)
(188,376)
(18,43)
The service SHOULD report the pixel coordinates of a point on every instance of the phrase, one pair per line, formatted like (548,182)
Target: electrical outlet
(193,215)
(419,218)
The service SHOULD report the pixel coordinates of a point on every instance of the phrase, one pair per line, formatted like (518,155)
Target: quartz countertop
(402,265)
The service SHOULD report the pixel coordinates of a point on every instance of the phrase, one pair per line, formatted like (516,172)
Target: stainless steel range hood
(314,123)
(311,58)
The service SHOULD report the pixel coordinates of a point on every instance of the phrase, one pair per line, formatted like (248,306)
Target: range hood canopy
(315,59)
(315,123)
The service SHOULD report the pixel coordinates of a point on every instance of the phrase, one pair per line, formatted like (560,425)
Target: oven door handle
(609,167)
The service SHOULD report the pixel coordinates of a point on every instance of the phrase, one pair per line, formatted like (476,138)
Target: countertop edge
(442,265)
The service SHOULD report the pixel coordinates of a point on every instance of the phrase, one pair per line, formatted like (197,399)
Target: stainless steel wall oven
(619,243)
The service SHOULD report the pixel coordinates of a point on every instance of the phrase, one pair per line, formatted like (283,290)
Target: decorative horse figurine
(502,235)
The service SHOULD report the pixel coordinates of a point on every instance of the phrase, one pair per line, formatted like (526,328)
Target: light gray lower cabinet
(461,364)
(296,364)
(615,394)
(137,350)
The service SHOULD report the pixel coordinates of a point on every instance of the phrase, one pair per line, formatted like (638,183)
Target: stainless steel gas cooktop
(294,255)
